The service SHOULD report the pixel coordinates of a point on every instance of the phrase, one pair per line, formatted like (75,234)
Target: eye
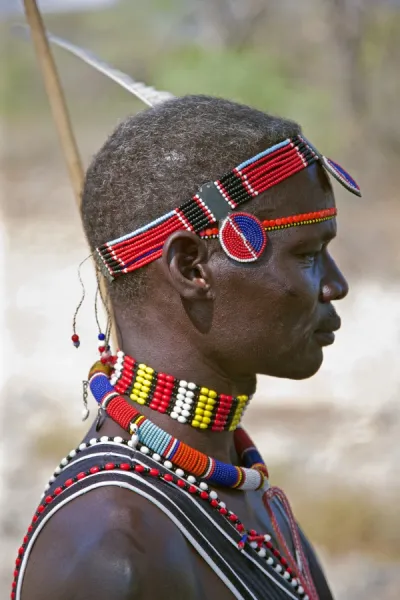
(309,258)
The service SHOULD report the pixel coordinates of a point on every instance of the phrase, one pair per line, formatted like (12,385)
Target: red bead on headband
(242,236)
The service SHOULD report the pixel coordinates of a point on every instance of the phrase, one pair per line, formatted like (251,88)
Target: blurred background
(333,65)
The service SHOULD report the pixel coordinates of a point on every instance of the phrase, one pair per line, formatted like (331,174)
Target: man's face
(274,316)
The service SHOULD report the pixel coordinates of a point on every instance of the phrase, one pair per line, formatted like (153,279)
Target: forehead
(307,191)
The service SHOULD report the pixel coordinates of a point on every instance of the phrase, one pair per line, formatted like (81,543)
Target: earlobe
(185,262)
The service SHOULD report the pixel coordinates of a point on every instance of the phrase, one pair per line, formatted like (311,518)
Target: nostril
(334,291)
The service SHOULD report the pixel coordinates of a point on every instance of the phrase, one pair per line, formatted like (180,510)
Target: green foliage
(153,42)
(248,76)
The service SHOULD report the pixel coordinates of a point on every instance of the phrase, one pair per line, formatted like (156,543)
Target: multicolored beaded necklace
(164,446)
(184,401)
(119,462)
(167,446)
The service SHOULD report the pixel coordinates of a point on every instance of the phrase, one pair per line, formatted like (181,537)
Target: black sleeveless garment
(246,574)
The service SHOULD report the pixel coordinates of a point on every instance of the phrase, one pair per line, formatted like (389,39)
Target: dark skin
(216,322)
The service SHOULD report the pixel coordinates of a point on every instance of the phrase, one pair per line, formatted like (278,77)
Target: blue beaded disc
(341,175)
(242,237)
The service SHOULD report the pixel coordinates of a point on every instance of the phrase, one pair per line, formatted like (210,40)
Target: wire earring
(75,337)
(104,338)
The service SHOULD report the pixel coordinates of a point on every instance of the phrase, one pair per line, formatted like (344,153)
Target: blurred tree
(230,23)
(349,20)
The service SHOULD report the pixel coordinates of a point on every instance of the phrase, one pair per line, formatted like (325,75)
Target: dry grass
(343,520)
(51,446)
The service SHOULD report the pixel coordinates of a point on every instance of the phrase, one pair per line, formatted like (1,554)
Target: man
(211,311)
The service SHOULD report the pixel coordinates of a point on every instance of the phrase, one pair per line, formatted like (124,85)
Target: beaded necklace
(168,447)
(184,401)
(119,462)
(152,438)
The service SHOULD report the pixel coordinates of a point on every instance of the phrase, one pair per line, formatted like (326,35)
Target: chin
(298,368)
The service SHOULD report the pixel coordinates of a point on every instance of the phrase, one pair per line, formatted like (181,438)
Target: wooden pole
(56,98)
(60,113)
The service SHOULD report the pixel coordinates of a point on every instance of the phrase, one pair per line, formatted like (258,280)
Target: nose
(334,286)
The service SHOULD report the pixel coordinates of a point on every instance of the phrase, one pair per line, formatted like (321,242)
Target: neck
(183,361)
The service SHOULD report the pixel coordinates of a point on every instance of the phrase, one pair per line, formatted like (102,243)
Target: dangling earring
(75,337)
(104,342)
(104,338)
(77,343)
(85,409)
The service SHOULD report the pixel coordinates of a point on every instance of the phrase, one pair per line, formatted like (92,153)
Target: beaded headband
(243,237)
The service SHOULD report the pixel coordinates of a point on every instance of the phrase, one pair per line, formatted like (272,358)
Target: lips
(324,338)
(325,332)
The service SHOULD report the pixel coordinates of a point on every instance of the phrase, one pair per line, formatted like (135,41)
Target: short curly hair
(157,159)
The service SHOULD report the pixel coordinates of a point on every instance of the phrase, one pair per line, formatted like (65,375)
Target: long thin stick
(56,98)
(60,112)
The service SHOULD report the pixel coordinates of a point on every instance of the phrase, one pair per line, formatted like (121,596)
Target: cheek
(242,304)
(296,292)
(270,298)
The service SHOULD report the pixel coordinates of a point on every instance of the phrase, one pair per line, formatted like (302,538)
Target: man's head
(259,317)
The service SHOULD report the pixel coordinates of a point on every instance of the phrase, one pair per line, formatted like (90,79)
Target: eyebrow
(323,238)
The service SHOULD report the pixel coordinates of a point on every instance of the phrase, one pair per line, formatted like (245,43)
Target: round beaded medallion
(341,175)
(243,237)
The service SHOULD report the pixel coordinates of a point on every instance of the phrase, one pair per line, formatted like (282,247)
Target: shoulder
(109,543)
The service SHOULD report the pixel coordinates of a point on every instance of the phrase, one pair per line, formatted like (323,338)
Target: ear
(185,262)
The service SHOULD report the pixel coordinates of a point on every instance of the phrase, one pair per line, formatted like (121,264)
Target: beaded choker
(242,236)
(184,401)
(164,447)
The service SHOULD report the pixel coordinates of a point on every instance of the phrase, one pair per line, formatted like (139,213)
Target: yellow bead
(143,395)
(137,386)
(195,424)
(199,411)
(140,379)
(149,370)
(206,420)
(207,413)
(212,394)
(209,408)
(141,401)
(204,390)
(141,372)
(142,366)
(203,398)
(203,426)
(148,377)
(211,401)
(201,405)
